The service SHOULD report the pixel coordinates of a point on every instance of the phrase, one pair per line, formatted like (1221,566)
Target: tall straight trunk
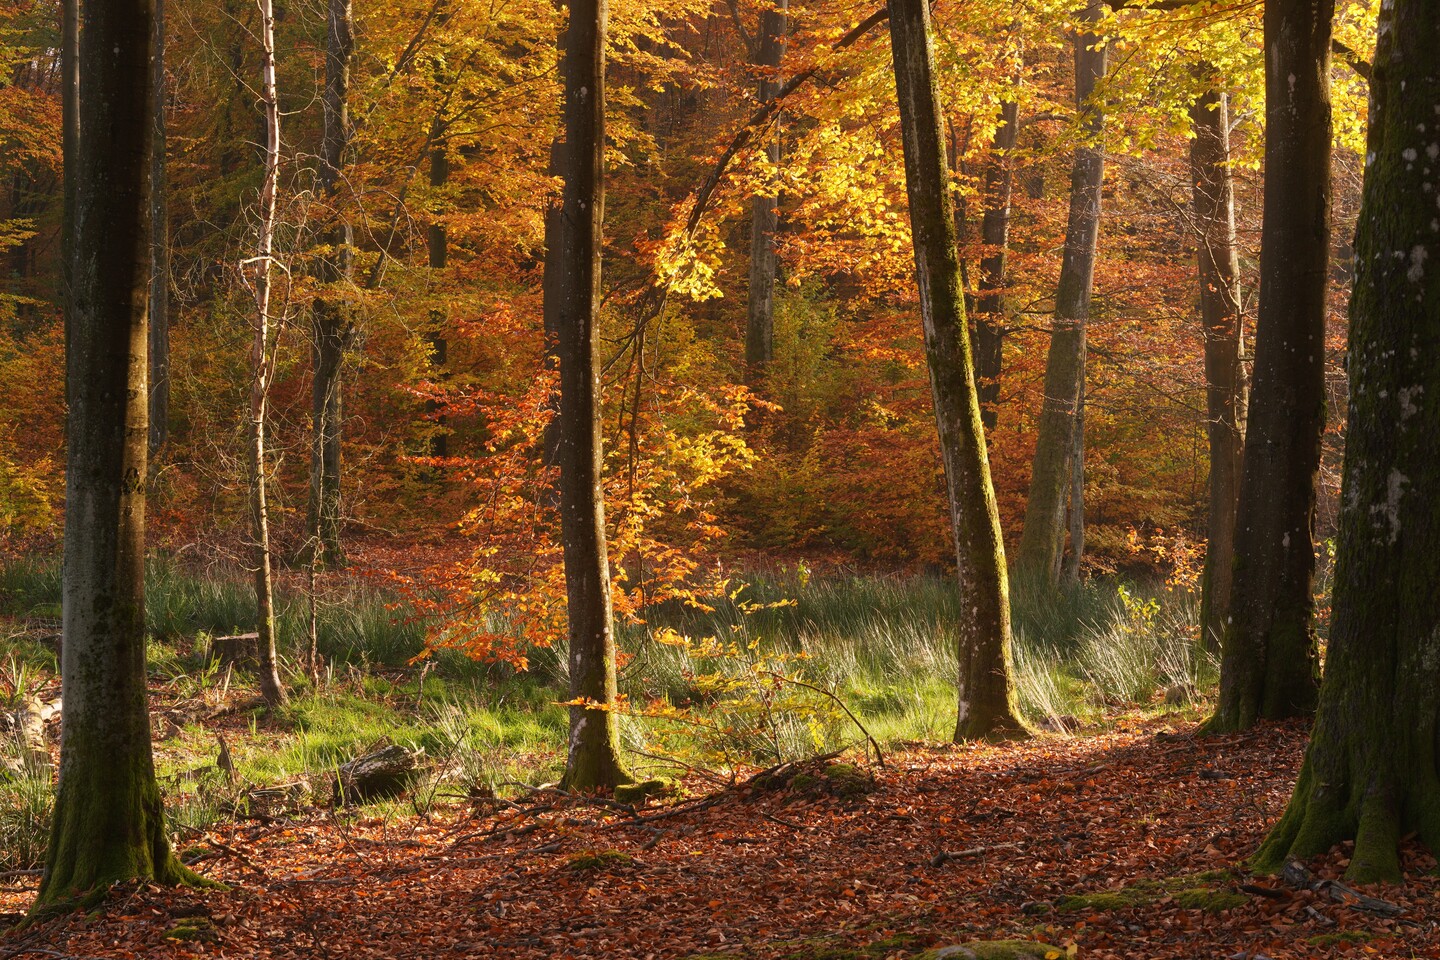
(159,252)
(1268,660)
(572,305)
(438,251)
(1077,487)
(108,824)
(1220,313)
(765,207)
(1042,540)
(990,319)
(331,322)
(261,365)
(1372,771)
(987,689)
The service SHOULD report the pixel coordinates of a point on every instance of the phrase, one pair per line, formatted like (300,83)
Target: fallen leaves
(1025,824)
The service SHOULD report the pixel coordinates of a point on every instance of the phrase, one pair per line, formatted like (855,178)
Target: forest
(850,480)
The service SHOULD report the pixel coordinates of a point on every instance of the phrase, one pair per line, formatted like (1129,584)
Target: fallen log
(380,774)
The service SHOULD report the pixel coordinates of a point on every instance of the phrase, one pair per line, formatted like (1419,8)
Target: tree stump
(380,774)
(240,650)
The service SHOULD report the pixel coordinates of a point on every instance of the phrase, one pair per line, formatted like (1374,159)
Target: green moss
(995,950)
(1209,900)
(1339,937)
(1107,900)
(843,780)
(637,792)
(599,860)
(192,929)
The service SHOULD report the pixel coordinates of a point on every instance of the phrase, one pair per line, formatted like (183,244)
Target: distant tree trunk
(1268,660)
(438,250)
(764,208)
(1372,773)
(261,366)
(331,320)
(990,318)
(572,296)
(160,253)
(1220,312)
(986,699)
(108,824)
(1051,478)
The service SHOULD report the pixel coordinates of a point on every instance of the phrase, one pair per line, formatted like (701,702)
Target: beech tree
(990,319)
(331,323)
(987,689)
(159,252)
(767,51)
(1220,315)
(1059,456)
(572,306)
(1371,773)
(108,824)
(1268,660)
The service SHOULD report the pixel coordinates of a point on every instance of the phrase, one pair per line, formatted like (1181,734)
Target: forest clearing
(822,480)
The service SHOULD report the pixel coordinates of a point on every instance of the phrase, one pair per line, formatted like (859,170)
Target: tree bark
(765,208)
(1042,539)
(990,318)
(1221,317)
(261,366)
(438,252)
(986,685)
(572,296)
(331,323)
(108,824)
(1268,660)
(1372,773)
(159,252)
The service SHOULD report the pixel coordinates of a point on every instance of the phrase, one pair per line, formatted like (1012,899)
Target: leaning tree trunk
(1051,477)
(572,297)
(1268,659)
(160,252)
(990,319)
(108,824)
(765,208)
(262,365)
(1220,314)
(987,689)
(330,318)
(1372,772)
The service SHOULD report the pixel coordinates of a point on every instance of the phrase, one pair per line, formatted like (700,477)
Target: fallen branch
(1298,875)
(945,856)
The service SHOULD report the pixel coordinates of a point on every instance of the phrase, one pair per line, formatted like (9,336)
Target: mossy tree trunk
(1372,772)
(987,689)
(765,207)
(1268,661)
(572,293)
(1220,315)
(1042,538)
(108,824)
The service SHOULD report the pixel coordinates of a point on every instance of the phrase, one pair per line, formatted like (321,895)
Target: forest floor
(1141,825)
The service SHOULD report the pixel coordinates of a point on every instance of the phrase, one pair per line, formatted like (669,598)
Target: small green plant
(26,800)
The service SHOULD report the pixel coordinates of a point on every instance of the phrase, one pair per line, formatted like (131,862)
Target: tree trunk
(160,253)
(1268,658)
(572,296)
(986,694)
(765,208)
(261,366)
(1042,540)
(990,319)
(1372,773)
(438,250)
(331,320)
(1220,313)
(1077,487)
(108,824)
